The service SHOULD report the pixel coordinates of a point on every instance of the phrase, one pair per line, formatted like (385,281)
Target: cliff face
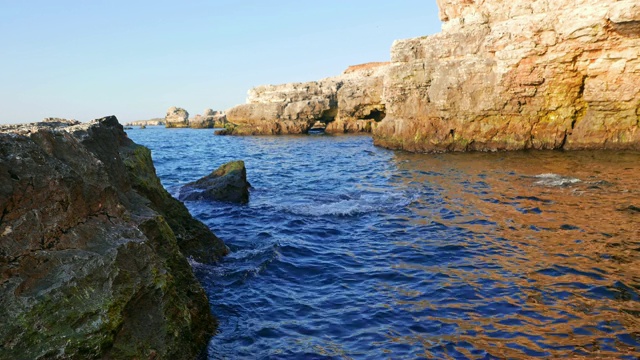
(517,74)
(502,75)
(92,249)
(345,103)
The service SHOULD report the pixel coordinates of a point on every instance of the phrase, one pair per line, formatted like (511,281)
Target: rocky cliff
(92,249)
(346,103)
(507,75)
(502,75)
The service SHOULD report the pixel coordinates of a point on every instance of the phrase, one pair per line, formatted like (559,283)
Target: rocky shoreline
(523,75)
(93,249)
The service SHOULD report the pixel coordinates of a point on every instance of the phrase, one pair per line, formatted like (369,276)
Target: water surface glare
(351,251)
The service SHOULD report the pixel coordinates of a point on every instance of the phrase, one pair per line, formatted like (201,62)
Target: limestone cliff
(92,249)
(502,75)
(346,103)
(517,74)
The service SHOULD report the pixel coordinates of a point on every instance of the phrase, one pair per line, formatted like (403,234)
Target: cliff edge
(350,102)
(507,75)
(502,75)
(92,249)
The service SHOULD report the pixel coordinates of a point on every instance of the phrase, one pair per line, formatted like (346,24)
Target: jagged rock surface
(345,103)
(506,75)
(91,249)
(227,183)
(176,118)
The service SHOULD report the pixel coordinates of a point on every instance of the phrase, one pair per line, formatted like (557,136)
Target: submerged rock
(227,183)
(176,118)
(92,249)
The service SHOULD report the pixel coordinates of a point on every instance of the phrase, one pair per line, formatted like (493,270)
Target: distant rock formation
(176,118)
(345,103)
(92,249)
(227,183)
(208,120)
(150,122)
(502,75)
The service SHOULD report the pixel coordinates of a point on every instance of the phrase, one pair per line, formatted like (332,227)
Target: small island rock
(176,118)
(227,183)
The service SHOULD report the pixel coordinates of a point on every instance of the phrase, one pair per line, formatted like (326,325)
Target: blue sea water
(349,251)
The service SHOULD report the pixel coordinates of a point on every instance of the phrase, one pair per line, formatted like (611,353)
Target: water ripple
(348,251)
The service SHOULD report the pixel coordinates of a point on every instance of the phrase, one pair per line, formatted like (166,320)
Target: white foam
(550,179)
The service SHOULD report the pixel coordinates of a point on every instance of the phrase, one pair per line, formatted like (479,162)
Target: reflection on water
(351,251)
(554,250)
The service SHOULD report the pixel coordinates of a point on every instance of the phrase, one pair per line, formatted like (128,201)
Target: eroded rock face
(227,183)
(345,103)
(506,75)
(92,249)
(176,118)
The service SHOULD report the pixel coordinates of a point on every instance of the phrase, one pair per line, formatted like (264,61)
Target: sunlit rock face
(506,75)
(350,102)
(176,118)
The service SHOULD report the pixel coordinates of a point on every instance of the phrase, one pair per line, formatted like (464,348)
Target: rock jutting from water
(350,102)
(208,120)
(502,75)
(227,183)
(176,118)
(92,249)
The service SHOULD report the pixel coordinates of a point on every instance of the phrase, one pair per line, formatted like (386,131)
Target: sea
(350,251)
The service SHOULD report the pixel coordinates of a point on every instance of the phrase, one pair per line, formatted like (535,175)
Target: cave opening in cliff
(376,114)
(329,115)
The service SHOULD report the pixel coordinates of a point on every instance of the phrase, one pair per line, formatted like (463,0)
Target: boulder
(176,118)
(92,249)
(227,183)
(208,120)
(201,122)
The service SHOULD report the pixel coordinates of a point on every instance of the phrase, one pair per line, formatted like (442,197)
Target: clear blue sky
(134,59)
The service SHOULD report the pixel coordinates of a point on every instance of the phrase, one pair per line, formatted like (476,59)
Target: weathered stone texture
(345,103)
(91,249)
(507,75)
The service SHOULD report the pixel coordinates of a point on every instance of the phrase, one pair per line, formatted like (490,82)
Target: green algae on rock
(227,183)
(91,265)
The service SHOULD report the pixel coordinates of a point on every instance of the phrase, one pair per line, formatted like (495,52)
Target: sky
(135,59)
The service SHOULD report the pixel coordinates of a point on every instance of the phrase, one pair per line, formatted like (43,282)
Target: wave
(346,205)
(550,179)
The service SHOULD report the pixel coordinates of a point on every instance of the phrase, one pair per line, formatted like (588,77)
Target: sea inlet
(349,251)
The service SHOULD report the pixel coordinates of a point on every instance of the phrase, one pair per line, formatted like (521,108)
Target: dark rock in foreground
(92,249)
(227,183)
